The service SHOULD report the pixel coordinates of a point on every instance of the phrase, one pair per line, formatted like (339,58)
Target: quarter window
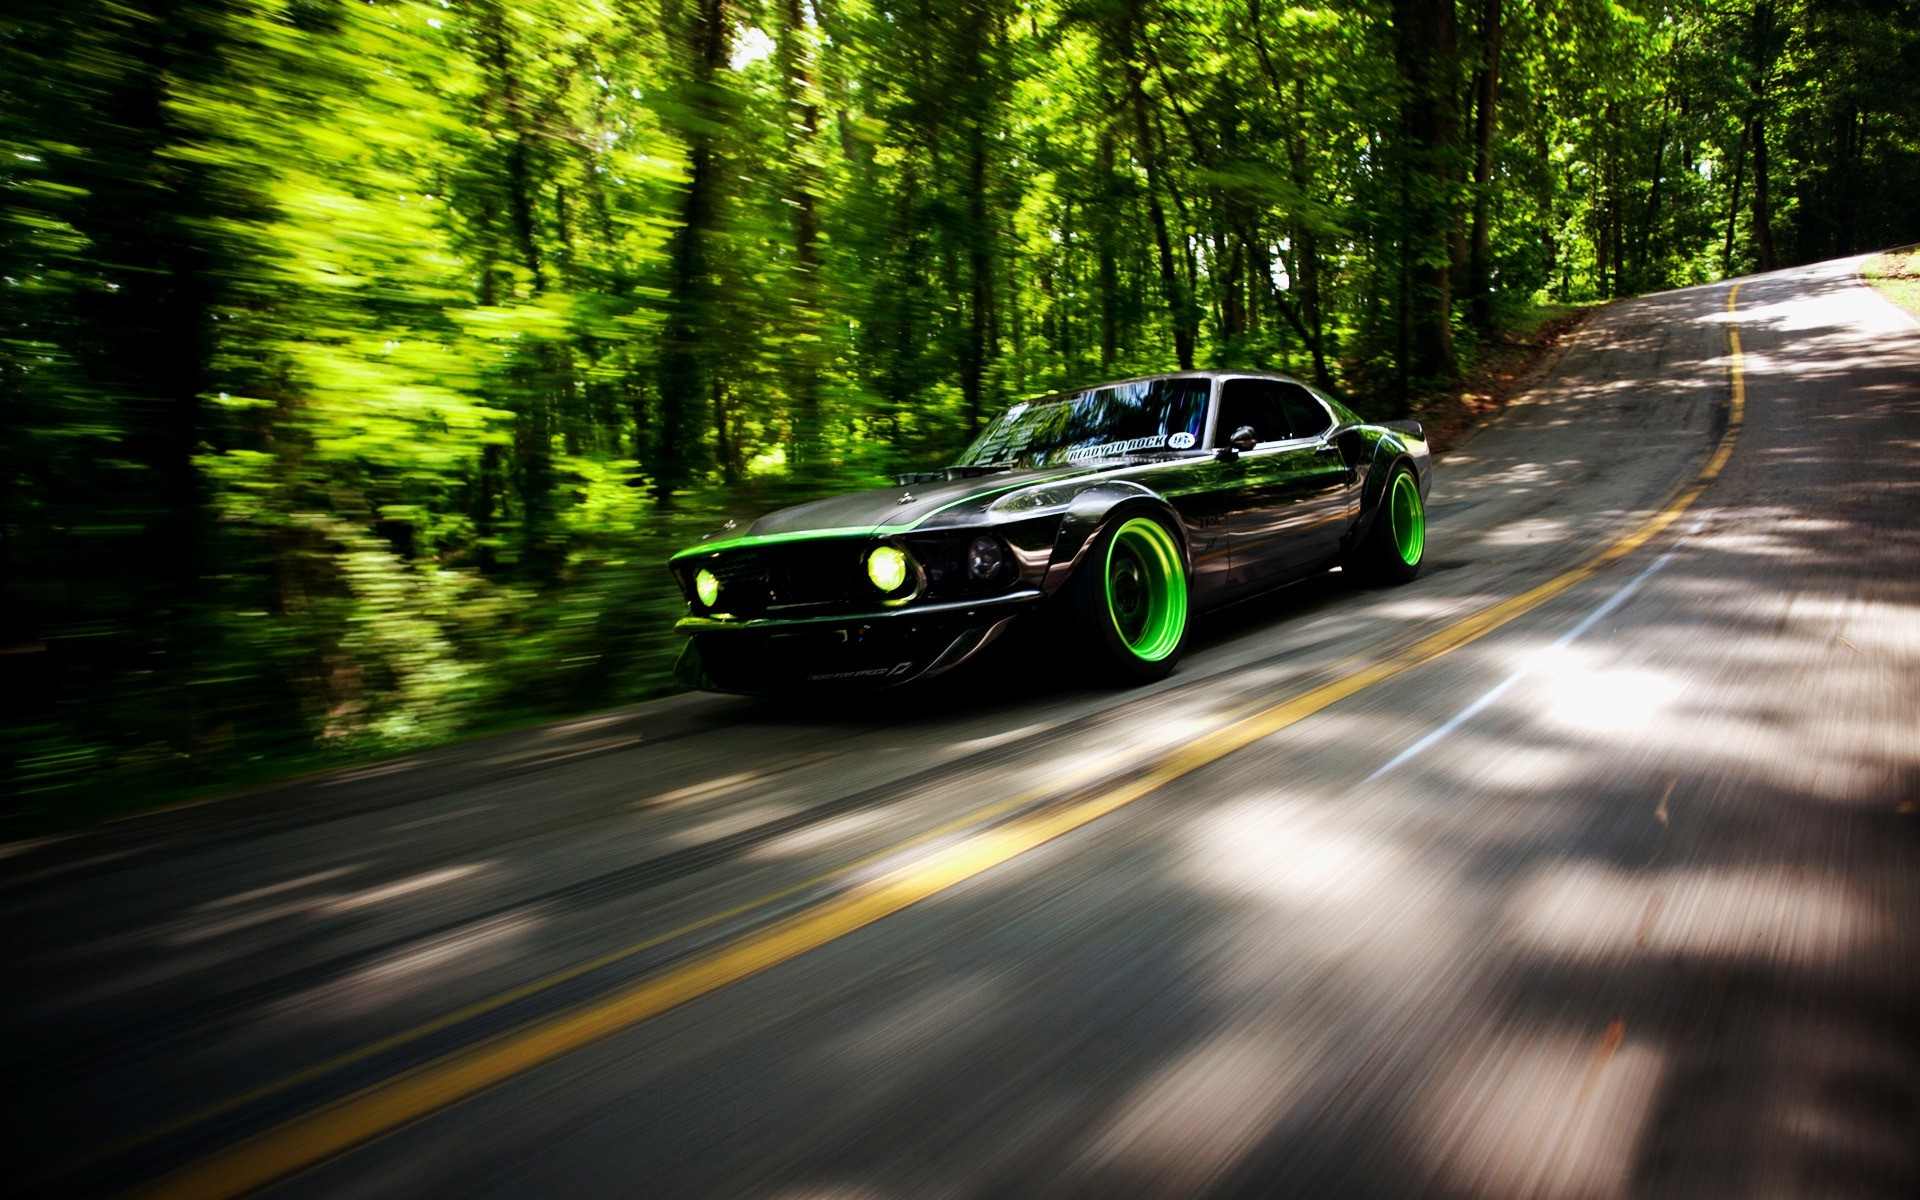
(1306,417)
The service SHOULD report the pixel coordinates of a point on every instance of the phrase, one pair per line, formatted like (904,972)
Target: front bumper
(863,652)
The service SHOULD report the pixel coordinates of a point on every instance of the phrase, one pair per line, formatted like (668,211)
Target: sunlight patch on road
(1505,766)
(203,930)
(1608,701)
(419,968)
(1533,530)
(1589,912)
(1196,1119)
(821,836)
(1424,608)
(1270,848)
(730,824)
(1352,891)
(992,741)
(1868,625)
(583,724)
(274,889)
(1542,1117)
(399,889)
(455,815)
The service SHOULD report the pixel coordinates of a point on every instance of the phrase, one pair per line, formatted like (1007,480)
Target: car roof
(1210,373)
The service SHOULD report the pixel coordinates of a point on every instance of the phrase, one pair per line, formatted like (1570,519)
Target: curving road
(1607,891)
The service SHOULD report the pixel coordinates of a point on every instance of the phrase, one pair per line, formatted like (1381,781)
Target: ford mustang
(1116,512)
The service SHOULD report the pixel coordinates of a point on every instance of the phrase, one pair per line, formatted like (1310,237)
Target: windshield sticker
(1114,449)
(1013,414)
(1180,441)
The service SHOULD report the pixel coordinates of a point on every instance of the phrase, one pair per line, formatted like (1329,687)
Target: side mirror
(1244,439)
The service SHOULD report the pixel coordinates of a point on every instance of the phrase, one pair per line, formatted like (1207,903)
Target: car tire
(1396,547)
(1131,606)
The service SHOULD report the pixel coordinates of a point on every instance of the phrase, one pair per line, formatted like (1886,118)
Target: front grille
(792,579)
(828,576)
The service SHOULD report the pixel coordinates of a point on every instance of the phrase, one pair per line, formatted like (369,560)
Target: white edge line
(1532,661)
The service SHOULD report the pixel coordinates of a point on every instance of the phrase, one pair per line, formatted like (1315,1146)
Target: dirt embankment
(1896,274)
(1505,371)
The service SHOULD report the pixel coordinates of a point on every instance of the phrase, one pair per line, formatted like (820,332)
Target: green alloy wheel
(1132,613)
(1397,544)
(1409,519)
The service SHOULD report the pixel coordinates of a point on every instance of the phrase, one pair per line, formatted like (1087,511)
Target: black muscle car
(1116,511)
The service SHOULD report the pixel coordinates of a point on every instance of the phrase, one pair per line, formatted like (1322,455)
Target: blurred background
(361,362)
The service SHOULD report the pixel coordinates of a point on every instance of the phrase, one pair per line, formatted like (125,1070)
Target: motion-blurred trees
(360,359)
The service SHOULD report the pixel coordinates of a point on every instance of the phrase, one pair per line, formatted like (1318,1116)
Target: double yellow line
(394,1103)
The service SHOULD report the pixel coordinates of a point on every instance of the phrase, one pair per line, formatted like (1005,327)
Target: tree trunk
(1107,263)
(1643,248)
(1762,213)
(678,451)
(980,277)
(148,346)
(1307,248)
(1171,285)
(536,373)
(803,187)
(1486,98)
(517,162)
(1763,51)
(977,234)
(1733,205)
(1310,322)
(1425,51)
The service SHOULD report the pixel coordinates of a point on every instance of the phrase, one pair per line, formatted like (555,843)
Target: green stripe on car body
(763,539)
(858,531)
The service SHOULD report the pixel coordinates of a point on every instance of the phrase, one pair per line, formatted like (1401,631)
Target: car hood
(895,509)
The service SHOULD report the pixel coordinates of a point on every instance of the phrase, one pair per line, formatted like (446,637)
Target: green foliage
(362,360)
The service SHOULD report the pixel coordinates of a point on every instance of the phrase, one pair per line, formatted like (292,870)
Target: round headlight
(706,585)
(887,567)
(985,557)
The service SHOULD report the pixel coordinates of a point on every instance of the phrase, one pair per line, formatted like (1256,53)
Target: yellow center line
(1062,785)
(395,1103)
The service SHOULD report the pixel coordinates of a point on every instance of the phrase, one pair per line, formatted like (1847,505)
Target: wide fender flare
(1388,453)
(1099,506)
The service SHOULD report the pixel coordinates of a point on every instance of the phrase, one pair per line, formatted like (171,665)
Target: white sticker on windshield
(1013,414)
(1180,441)
(1115,449)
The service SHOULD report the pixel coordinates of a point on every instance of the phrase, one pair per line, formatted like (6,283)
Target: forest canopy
(362,360)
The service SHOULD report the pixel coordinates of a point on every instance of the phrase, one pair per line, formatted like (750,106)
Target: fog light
(706,585)
(985,557)
(887,567)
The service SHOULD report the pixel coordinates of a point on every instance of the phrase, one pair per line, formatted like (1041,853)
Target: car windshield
(1106,422)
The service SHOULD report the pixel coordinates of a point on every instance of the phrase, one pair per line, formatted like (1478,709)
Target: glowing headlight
(887,567)
(985,557)
(706,585)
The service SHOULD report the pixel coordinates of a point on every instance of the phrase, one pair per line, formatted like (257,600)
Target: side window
(1253,402)
(1305,416)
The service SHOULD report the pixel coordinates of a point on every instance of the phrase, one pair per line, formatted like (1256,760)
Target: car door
(1290,493)
(1309,418)
(1197,487)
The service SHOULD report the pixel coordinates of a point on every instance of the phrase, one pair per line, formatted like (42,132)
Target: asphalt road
(1616,898)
